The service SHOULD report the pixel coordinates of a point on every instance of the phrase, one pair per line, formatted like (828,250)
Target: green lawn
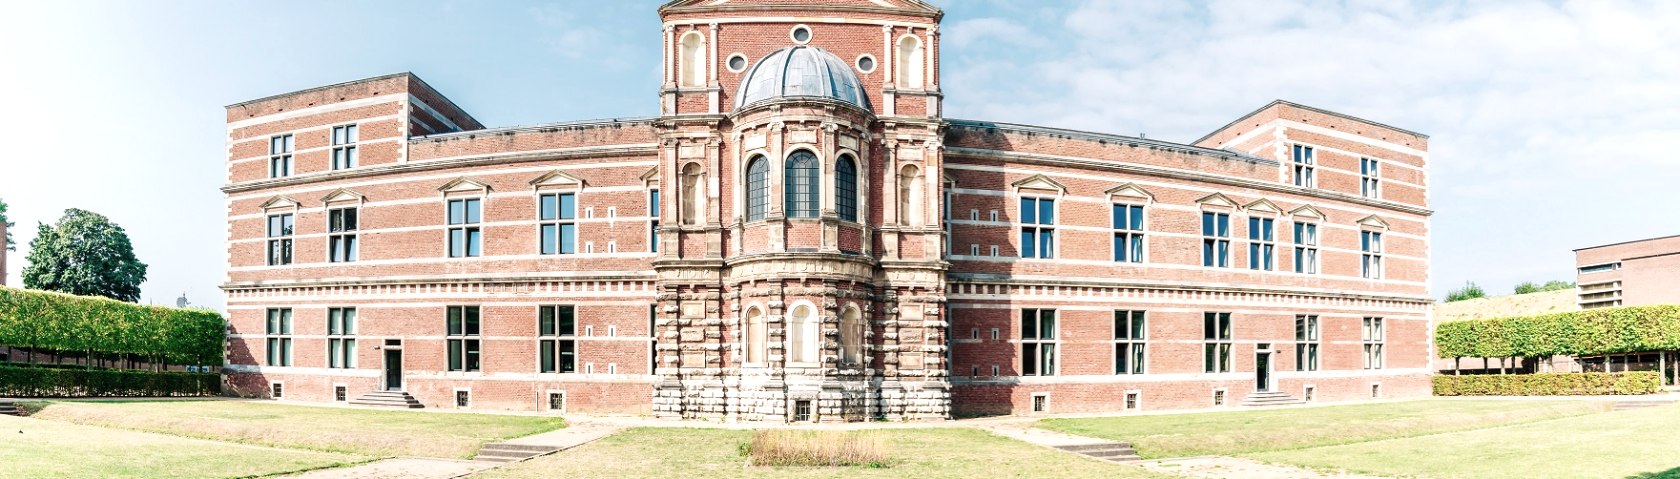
(1236,432)
(355,431)
(36,448)
(1640,444)
(920,453)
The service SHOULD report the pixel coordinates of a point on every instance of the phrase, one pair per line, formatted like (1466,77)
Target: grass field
(958,453)
(1640,444)
(345,430)
(37,448)
(1237,432)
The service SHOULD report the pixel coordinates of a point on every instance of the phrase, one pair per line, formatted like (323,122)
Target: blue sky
(1549,120)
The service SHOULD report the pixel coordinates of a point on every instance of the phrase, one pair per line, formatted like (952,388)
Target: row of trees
(1471,290)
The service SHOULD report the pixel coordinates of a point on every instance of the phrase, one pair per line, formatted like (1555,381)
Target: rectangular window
(1128,342)
(1261,243)
(1306,342)
(1216,240)
(340,394)
(1369,174)
(465,237)
(1128,233)
(1303,166)
(1038,223)
(341,338)
(344,147)
(1370,248)
(1306,248)
(279,331)
(557,216)
(342,241)
(462,331)
(653,221)
(1038,342)
(280,156)
(557,339)
(1371,336)
(1216,339)
(280,239)
(1600,268)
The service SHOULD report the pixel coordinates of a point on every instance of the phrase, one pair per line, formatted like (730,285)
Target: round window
(737,62)
(801,34)
(866,64)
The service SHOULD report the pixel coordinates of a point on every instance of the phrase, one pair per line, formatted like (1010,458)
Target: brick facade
(1633,273)
(720,303)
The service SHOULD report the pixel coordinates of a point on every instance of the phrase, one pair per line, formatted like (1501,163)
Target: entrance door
(393,370)
(1263,371)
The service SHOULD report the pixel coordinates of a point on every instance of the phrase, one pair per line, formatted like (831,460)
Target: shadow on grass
(1668,474)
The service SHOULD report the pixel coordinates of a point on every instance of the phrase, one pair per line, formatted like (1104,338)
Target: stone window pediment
(558,179)
(1039,183)
(464,185)
(1130,192)
(1217,201)
(1373,222)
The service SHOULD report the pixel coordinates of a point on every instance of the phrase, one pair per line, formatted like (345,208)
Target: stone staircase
(1270,398)
(1107,451)
(9,408)
(505,452)
(1640,404)
(388,399)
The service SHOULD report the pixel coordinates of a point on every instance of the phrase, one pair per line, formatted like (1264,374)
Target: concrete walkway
(403,468)
(1221,467)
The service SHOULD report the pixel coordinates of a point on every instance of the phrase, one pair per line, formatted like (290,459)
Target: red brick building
(802,235)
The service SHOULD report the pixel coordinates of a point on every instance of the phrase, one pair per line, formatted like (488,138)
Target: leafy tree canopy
(84,254)
(7,241)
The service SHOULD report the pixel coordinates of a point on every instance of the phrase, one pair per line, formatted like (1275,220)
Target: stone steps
(1107,451)
(1270,398)
(399,399)
(1639,404)
(505,452)
(9,408)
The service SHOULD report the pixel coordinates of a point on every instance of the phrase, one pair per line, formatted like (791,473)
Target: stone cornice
(1116,167)
(429,279)
(444,164)
(978,278)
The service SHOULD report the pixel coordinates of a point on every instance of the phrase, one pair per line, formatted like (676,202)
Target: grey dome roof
(801,71)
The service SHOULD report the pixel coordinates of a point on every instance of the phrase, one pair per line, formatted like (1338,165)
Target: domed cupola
(801,71)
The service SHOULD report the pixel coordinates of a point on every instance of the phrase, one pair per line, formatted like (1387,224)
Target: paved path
(573,435)
(403,468)
(1220,467)
(1026,433)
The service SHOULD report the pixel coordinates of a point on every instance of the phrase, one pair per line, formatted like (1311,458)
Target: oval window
(801,34)
(737,62)
(866,64)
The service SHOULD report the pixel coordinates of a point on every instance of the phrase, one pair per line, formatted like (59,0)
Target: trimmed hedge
(56,321)
(53,382)
(1549,384)
(1594,331)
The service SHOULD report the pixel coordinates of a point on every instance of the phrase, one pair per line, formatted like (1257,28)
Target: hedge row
(52,382)
(1593,331)
(1549,384)
(56,321)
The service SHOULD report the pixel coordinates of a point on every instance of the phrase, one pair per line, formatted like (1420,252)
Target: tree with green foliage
(7,242)
(84,254)
(1527,287)
(1469,291)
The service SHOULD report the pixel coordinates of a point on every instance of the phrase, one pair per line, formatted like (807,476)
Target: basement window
(557,401)
(339,394)
(275,390)
(1307,394)
(1132,401)
(1376,391)
(1040,402)
(802,411)
(463,398)
(1219,397)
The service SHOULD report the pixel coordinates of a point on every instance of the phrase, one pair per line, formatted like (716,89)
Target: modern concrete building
(1631,273)
(800,234)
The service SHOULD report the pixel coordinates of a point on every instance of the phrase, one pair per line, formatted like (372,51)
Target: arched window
(756,334)
(803,334)
(845,188)
(758,187)
(910,59)
(693,194)
(802,185)
(910,196)
(691,64)
(851,337)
